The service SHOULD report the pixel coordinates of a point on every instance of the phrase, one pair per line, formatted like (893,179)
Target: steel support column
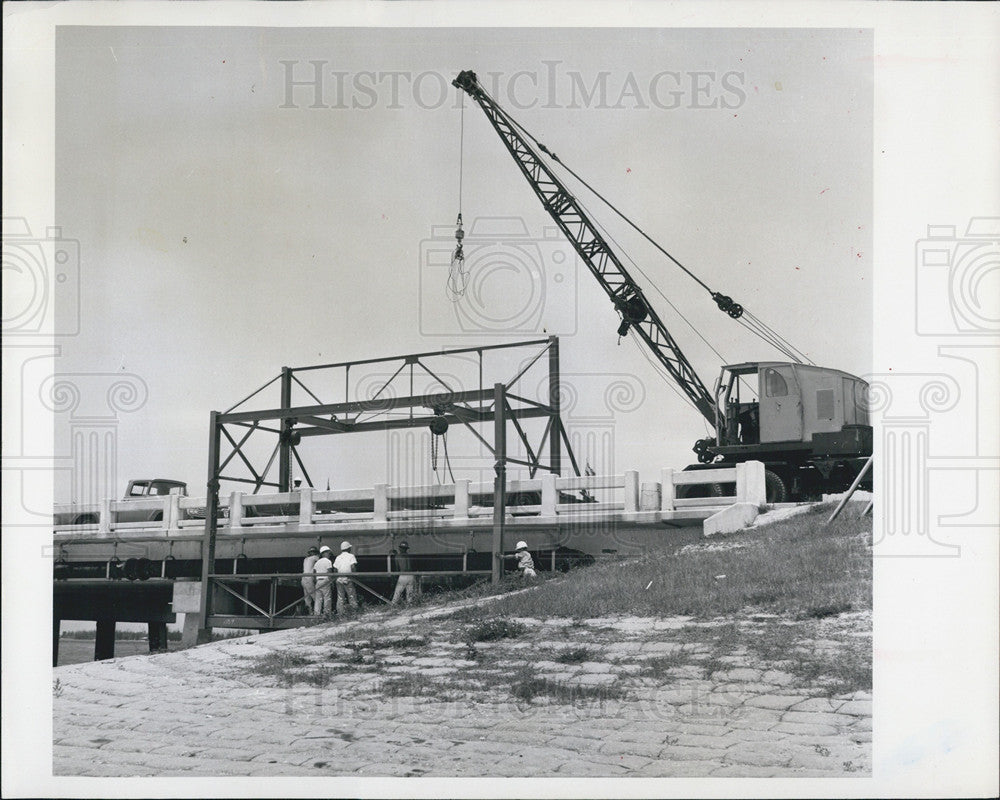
(211,524)
(500,483)
(555,442)
(285,451)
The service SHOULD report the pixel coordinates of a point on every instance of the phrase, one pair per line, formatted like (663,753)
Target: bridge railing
(748,478)
(546,496)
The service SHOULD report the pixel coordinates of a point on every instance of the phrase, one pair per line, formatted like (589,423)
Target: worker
(406,585)
(324,591)
(309,580)
(345,564)
(524,562)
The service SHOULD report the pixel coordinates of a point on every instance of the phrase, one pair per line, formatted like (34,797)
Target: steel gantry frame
(496,403)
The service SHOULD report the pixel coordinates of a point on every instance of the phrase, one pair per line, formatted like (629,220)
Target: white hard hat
(521,546)
(325,549)
(345,546)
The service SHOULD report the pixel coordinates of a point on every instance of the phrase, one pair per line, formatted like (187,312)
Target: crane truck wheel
(775,489)
(700,490)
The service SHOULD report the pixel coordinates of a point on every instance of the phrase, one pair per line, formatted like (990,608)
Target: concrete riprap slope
(415,695)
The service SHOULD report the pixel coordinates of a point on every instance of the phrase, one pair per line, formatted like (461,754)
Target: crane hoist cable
(725,303)
(434,455)
(757,326)
(641,271)
(645,354)
(458,275)
(447,458)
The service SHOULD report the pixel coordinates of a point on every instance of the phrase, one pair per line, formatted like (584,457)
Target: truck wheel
(699,490)
(775,489)
(157,516)
(85,519)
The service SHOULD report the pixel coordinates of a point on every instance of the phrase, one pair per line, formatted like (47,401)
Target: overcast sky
(236,213)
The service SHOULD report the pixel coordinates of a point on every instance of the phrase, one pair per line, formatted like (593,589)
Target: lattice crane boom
(601,260)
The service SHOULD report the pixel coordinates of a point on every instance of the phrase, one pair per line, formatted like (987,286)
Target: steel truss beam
(381,411)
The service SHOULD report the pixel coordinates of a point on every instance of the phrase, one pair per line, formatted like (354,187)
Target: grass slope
(798,566)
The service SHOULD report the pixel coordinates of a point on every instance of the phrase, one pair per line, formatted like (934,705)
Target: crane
(808,424)
(604,264)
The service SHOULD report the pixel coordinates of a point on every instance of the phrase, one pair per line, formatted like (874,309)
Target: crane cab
(770,403)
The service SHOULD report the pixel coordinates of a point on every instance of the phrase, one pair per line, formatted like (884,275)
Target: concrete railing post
(550,496)
(381,502)
(236,510)
(649,496)
(741,482)
(750,484)
(172,515)
(631,491)
(105,523)
(306,505)
(668,492)
(462,499)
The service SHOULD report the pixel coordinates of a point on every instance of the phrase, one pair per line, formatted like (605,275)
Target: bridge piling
(157,635)
(104,641)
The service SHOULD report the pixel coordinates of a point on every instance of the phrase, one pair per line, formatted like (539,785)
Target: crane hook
(459,235)
(458,278)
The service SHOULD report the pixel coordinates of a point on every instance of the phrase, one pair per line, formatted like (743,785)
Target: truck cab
(148,489)
(155,487)
(145,489)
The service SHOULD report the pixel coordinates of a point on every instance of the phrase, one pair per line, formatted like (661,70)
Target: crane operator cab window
(741,407)
(774,384)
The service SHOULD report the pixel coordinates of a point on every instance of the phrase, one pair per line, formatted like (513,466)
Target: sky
(246,199)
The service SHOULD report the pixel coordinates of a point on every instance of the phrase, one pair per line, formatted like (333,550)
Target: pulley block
(727,304)
(633,310)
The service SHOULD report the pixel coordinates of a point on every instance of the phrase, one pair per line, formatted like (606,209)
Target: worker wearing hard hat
(524,562)
(343,565)
(406,585)
(309,580)
(324,591)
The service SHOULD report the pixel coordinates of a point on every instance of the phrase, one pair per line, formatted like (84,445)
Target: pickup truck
(145,489)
